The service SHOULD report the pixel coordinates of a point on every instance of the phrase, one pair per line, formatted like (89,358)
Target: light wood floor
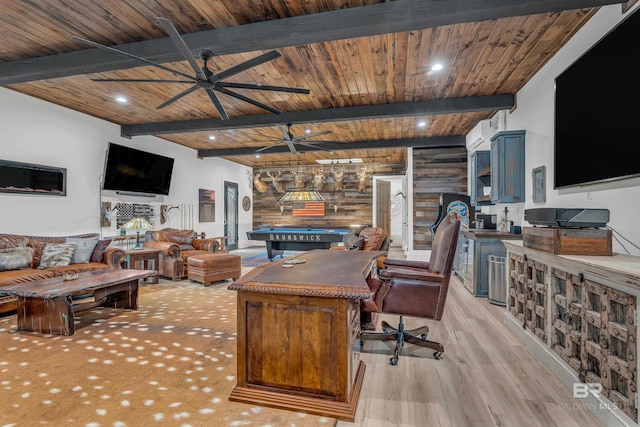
(487,377)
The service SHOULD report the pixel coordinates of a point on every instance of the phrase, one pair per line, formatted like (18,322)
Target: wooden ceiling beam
(403,109)
(426,142)
(380,18)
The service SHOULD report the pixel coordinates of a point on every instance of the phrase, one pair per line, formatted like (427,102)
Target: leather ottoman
(207,268)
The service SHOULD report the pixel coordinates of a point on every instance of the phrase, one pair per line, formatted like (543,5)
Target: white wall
(535,114)
(34,131)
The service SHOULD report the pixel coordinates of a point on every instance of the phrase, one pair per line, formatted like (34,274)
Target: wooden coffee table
(47,305)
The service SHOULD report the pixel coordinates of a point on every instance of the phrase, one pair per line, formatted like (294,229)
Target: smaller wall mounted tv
(597,116)
(128,170)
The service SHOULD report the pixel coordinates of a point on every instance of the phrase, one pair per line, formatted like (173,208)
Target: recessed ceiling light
(257,156)
(437,67)
(307,131)
(121,99)
(212,137)
(422,124)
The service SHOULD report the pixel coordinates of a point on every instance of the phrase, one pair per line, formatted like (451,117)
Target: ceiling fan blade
(262,87)
(311,135)
(266,148)
(285,132)
(266,57)
(291,147)
(217,104)
(182,47)
(245,99)
(146,61)
(317,141)
(178,96)
(143,81)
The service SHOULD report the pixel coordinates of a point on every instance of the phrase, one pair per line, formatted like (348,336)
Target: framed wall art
(207,205)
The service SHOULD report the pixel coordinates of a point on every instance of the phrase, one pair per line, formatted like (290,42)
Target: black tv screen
(136,171)
(597,117)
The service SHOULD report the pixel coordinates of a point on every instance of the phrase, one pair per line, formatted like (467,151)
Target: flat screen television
(134,171)
(597,118)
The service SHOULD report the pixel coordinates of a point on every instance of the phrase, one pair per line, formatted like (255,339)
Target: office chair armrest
(406,263)
(410,274)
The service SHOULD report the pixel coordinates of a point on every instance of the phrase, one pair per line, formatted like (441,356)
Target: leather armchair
(175,247)
(414,288)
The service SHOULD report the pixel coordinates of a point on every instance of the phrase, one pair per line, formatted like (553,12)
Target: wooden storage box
(568,241)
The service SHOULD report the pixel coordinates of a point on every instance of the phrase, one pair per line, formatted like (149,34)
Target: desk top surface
(337,274)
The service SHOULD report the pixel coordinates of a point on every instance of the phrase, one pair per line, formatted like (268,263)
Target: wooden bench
(47,305)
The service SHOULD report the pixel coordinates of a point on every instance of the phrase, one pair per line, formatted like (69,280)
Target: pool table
(298,239)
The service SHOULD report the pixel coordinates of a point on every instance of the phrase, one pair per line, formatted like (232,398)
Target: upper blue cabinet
(507,167)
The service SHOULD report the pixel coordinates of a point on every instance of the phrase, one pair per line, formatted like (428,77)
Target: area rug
(170,363)
(261,258)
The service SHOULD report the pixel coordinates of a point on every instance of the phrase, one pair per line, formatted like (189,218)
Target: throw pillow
(15,258)
(84,249)
(355,244)
(38,244)
(98,252)
(56,255)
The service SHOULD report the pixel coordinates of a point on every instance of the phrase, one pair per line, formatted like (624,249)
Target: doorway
(391,207)
(231,214)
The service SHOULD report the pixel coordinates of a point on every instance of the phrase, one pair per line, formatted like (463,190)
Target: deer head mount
(260,186)
(318,178)
(278,185)
(299,178)
(361,173)
(338,172)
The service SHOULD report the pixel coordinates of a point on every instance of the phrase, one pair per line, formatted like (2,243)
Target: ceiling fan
(204,78)
(292,141)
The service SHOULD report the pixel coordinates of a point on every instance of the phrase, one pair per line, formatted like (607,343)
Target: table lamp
(138,224)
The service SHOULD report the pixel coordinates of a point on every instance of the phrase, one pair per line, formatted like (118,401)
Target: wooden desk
(143,259)
(46,305)
(298,345)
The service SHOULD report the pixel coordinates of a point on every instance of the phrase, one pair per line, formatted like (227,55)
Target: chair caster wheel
(385,330)
(393,361)
(437,355)
(423,336)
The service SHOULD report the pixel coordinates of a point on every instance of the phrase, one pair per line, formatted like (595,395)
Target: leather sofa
(21,260)
(175,247)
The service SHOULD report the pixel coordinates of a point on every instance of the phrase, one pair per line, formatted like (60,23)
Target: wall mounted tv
(597,113)
(128,170)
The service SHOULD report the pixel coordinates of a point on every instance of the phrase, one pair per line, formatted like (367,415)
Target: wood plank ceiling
(366,64)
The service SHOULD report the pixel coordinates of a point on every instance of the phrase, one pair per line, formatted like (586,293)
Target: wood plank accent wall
(353,207)
(435,171)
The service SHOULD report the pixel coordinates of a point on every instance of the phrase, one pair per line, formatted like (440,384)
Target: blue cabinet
(480,177)
(473,267)
(507,167)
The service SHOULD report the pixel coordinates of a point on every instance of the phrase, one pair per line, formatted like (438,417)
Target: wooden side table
(141,259)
